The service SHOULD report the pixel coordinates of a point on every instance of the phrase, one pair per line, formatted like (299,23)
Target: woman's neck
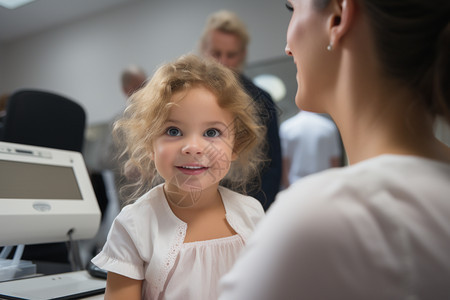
(387,121)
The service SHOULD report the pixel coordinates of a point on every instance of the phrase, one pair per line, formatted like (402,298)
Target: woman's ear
(341,19)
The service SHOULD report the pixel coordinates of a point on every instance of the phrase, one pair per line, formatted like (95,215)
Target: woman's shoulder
(339,208)
(395,175)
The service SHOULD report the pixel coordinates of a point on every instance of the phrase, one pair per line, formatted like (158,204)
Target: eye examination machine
(46,196)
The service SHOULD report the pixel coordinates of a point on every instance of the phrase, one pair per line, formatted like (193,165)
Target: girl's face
(307,41)
(196,149)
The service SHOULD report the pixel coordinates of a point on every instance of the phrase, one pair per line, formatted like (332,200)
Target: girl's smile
(192,169)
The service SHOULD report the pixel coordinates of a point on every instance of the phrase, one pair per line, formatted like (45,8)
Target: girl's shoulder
(150,207)
(243,212)
(239,201)
(147,200)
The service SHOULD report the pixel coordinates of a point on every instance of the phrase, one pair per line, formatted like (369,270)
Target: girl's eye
(212,132)
(173,131)
(289,6)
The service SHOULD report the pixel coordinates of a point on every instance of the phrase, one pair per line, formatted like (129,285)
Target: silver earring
(330,47)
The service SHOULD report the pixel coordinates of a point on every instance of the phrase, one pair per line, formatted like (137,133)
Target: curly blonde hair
(148,109)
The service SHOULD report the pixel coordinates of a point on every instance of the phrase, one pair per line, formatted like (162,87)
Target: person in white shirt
(193,126)
(378,229)
(310,143)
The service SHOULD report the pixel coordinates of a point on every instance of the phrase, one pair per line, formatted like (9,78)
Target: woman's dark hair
(413,43)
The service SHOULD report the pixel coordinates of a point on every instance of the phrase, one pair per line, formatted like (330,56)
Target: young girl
(193,124)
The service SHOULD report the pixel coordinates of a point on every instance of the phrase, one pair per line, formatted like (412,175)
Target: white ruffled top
(199,266)
(146,239)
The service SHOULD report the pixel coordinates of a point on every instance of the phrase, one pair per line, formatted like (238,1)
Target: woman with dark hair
(379,228)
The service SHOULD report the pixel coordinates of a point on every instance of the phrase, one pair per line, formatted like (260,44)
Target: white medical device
(45,196)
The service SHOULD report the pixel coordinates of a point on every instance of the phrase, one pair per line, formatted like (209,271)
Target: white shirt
(146,238)
(309,141)
(379,229)
(199,266)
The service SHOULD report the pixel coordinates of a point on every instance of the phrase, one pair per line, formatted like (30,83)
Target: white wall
(83,60)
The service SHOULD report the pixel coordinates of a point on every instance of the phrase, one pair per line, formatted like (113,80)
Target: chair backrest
(44,119)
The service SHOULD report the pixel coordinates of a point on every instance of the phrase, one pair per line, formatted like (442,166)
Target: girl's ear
(341,19)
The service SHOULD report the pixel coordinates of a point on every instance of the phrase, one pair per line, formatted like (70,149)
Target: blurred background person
(132,79)
(225,38)
(3,102)
(310,143)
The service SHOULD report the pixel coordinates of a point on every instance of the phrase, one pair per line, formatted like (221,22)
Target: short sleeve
(121,253)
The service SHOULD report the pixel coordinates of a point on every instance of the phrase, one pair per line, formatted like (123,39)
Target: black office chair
(45,119)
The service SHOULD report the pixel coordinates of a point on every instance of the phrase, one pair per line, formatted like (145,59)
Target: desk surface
(98,297)
(54,286)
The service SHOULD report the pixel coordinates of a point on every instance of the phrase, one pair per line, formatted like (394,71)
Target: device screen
(21,180)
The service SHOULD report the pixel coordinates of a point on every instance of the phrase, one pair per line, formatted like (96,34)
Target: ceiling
(44,14)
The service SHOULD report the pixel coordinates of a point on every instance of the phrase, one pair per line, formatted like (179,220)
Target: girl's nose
(288,50)
(192,146)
